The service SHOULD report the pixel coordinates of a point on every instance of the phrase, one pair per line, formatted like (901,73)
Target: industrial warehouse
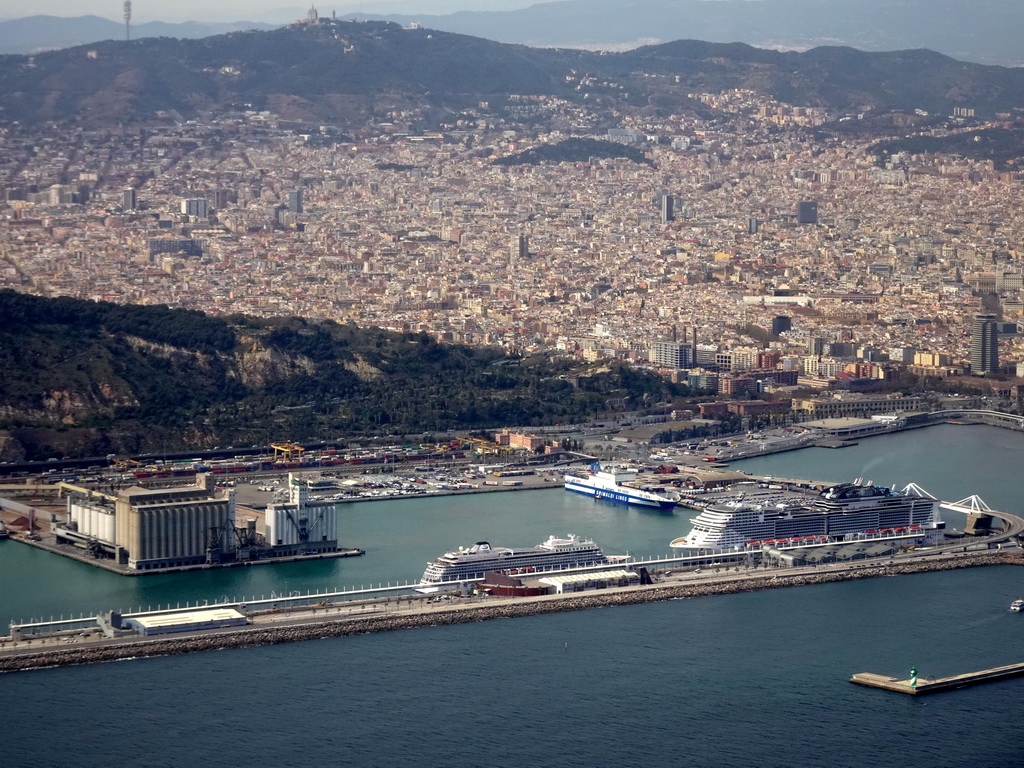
(151,530)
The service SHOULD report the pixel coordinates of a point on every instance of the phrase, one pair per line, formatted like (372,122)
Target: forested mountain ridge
(348,73)
(89,378)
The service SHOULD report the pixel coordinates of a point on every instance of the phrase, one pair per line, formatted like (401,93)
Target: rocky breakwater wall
(465,614)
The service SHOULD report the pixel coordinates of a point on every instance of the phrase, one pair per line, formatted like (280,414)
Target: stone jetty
(727,584)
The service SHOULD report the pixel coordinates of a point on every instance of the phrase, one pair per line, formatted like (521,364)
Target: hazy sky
(235,10)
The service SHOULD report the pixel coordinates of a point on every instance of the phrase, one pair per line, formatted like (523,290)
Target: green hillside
(86,378)
(574,151)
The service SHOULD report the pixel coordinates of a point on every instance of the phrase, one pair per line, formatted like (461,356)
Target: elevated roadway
(974,415)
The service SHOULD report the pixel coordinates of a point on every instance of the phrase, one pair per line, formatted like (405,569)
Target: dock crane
(287,451)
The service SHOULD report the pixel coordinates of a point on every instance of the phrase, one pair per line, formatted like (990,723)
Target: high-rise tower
(984,345)
(668,212)
(519,247)
(807,212)
(781,324)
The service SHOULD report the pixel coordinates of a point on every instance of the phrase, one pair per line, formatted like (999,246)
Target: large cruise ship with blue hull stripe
(610,485)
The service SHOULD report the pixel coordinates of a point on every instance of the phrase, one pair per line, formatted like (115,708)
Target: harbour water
(753,679)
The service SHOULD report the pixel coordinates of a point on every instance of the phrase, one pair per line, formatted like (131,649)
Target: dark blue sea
(758,679)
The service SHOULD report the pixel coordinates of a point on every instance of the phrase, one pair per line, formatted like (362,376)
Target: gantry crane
(287,451)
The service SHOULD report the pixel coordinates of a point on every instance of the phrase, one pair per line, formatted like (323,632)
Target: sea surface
(756,679)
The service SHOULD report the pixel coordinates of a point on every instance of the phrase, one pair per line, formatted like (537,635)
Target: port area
(29,511)
(935,685)
(93,639)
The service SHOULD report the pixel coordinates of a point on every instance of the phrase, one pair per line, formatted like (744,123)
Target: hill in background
(985,31)
(329,71)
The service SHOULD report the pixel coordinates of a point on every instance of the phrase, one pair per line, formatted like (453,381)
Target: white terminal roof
(188,617)
(577,578)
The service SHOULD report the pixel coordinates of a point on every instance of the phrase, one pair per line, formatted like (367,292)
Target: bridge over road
(980,516)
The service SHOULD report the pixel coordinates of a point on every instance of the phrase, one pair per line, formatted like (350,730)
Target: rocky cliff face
(255,365)
(132,382)
(10,448)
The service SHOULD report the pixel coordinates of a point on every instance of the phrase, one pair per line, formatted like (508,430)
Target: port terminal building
(186,621)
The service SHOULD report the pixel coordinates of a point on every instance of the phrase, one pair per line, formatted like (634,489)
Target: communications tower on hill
(127,19)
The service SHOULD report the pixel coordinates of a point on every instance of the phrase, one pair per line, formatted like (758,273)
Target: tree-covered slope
(335,71)
(1004,147)
(574,150)
(88,378)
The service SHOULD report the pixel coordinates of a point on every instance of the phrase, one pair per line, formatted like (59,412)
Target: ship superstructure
(610,485)
(555,554)
(844,512)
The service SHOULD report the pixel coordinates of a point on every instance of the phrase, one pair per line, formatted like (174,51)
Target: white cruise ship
(555,554)
(609,485)
(844,512)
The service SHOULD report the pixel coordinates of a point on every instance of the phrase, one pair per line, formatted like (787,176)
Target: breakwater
(464,614)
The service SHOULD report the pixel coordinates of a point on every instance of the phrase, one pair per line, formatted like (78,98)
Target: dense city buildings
(851,268)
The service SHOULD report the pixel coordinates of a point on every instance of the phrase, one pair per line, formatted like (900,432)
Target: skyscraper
(221,198)
(129,199)
(295,200)
(672,354)
(668,212)
(195,206)
(807,212)
(519,248)
(984,345)
(781,324)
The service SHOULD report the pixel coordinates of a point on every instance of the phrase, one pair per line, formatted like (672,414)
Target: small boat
(1017,606)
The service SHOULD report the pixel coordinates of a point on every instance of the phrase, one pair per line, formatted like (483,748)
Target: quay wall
(249,638)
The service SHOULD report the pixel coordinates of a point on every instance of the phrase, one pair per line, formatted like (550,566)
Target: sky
(241,10)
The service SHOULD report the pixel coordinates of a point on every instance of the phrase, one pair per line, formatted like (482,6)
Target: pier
(269,624)
(873,680)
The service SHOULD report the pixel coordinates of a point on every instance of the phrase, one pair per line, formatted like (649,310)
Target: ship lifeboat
(915,527)
(870,531)
(753,543)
